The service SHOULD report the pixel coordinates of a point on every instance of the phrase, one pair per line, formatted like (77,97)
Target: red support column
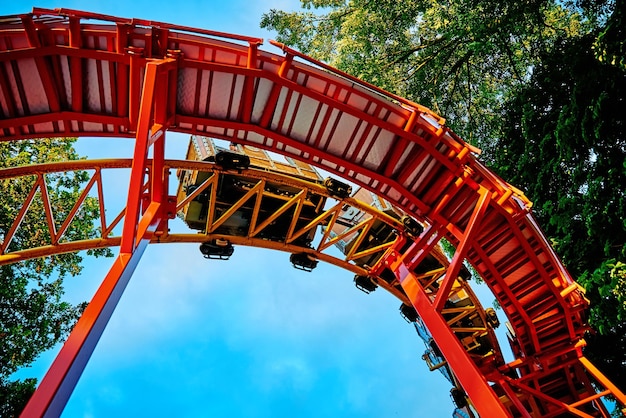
(57,385)
(472,380)
(145,139)
(602,380)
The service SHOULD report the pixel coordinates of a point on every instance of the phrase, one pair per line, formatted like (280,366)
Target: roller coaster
(73,73)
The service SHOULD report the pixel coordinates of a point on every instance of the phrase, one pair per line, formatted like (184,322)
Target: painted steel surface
(70,73)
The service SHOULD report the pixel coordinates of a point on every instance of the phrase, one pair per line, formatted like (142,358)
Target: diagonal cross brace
(472,380)
(459,255)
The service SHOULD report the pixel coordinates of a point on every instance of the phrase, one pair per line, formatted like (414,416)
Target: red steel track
(71,73)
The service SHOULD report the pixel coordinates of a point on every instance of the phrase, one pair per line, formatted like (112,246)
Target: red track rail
(62,75)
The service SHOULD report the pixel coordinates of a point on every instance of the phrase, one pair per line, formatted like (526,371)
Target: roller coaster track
(71,73)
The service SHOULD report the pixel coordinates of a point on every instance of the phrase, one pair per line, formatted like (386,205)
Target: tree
(33,315)
(564,143)
(460,58)
(14,396)
(539,86)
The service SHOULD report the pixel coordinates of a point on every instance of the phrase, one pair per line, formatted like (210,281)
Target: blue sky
(249,337)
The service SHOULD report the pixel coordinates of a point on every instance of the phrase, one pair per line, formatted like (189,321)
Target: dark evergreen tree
(564,143)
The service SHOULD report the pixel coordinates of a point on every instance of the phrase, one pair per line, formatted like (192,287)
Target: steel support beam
(149,133)
(459,255)
(51,396)
(604,381)
(472,380)
(58,384)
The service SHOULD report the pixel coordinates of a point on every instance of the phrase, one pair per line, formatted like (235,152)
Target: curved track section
(55,242)
(69,73)
(360,230)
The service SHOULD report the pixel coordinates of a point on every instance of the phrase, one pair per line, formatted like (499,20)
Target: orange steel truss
(72,73)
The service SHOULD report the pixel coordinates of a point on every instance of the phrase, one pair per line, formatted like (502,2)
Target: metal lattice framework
(70,73)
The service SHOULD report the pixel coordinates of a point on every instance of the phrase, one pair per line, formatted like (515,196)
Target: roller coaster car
(202,197)
(492,318)
(232,160)
(434,347)
(303,261)
(464,273)
(364,283)
(337,188)
(408,312)
(458,397)
(411,227)
(217,249)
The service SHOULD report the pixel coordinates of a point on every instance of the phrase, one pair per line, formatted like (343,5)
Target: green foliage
(608,283)
(459,58)
(33,315)
(14,396)
(34,318)
(564,143)
(606,289)
(610,47)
